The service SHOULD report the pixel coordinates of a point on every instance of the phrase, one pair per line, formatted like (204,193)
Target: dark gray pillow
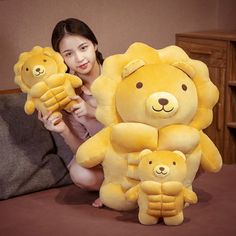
(31,158)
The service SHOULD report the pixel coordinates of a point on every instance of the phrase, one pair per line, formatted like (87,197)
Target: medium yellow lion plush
(41,74)
(149,99)
(161,193)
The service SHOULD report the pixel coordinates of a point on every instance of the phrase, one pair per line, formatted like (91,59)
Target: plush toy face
(166,74)
(158,95)
(162,166)
(37,68)
(41,74)
(37,65)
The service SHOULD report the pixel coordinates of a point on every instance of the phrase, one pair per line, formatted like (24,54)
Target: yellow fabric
(161,193)
(41,74)
(147,98)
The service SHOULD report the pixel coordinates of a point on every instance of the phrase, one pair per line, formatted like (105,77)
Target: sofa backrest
(31,157)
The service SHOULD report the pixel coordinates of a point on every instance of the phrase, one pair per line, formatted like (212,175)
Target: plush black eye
(139,85)
(44,60)
(150,162)
(184,87)
(174,163)
(27,69)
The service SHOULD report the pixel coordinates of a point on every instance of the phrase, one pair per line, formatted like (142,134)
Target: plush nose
(162,105)
(163,101)
(161,170)
(38,70)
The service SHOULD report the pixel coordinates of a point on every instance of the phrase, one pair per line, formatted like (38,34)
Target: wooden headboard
(8,91)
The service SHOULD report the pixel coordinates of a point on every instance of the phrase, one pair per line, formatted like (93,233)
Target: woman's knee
(89,179)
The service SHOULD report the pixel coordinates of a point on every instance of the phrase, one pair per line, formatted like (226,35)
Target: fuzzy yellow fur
(131,93)
(41,74)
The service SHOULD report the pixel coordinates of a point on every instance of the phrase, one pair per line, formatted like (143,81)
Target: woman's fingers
(44,117)
(76,98)
(80,112)
(76,106)
(54,118)
(40,116)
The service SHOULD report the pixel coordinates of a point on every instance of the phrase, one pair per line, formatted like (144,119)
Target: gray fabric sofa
(31,158)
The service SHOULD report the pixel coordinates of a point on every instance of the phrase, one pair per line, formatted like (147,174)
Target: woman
(77,44)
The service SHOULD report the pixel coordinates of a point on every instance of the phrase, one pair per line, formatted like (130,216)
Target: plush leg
(146,219)
(174,220)
(113,196)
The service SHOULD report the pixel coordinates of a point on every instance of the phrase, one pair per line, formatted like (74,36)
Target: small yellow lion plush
(149,99)
(161,193)
(41,74)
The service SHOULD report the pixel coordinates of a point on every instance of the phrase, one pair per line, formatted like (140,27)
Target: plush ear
(144,152)
(132,67)
(186,68)
(180,154)
(47,53)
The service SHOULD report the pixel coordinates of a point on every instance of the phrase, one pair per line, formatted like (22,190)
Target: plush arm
(29,106)
(93,151)
(178,137)
(74,80)
(133,193)
(133,137)
(211,159)
(190,196)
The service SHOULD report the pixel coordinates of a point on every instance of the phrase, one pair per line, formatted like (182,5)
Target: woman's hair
(73,26)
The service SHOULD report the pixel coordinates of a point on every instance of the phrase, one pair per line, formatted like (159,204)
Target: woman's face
(78,53)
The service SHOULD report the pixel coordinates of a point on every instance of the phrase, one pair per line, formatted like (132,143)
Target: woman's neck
(91,76)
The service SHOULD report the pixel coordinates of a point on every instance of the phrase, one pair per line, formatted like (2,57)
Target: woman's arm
(71,140)
(56,124)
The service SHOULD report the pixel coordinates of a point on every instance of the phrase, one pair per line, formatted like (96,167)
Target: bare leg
(89,179)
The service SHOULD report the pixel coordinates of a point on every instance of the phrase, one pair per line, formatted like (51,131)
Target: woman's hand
(82,108)
(53,122)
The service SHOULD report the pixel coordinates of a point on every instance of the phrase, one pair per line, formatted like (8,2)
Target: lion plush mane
(35,51)
(172,55)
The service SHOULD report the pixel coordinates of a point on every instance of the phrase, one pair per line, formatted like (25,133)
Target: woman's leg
(89,179)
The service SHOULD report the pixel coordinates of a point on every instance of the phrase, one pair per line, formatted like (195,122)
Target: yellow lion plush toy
(161,193)
(41,74)
(149,99)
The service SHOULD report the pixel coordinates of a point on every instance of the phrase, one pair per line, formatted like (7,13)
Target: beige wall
(117,24)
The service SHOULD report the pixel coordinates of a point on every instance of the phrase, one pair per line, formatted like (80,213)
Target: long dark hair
(74,27)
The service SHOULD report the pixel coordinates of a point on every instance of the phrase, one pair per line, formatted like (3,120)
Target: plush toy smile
(161,171)
(38,70)
(162,104)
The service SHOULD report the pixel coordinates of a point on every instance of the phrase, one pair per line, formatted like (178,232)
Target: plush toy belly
(52,94)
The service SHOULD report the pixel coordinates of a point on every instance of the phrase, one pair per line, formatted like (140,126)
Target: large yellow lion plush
(155,99)
(161,193)
(41,74)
